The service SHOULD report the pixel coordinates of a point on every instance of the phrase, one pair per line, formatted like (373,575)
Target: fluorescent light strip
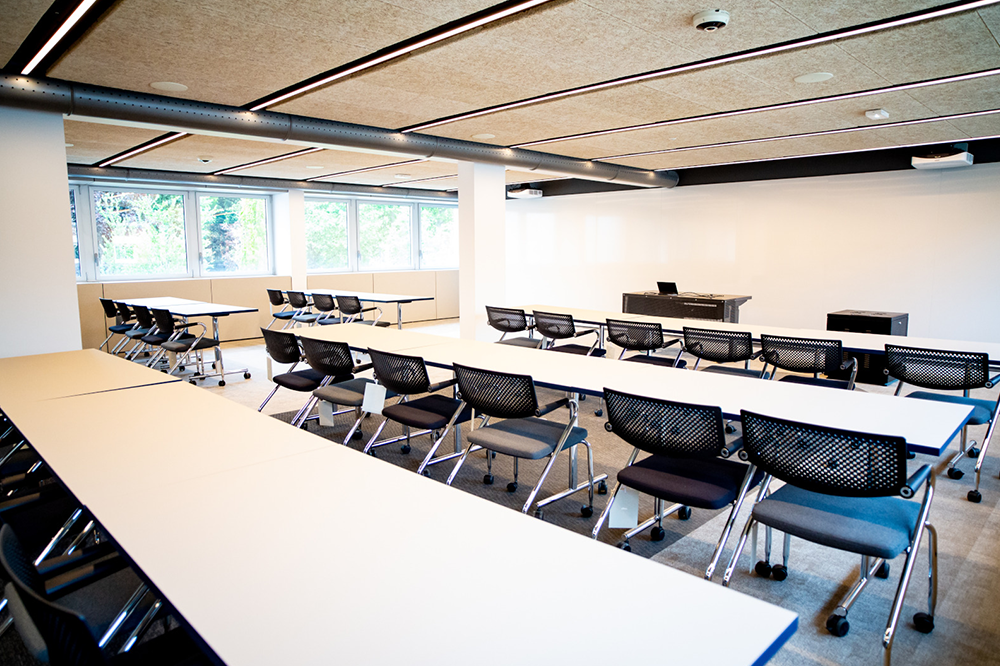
(807,135)
(142,149)
(67,25)
(713,62)
(458,30)
(366,169)
(269,160)
(773,107)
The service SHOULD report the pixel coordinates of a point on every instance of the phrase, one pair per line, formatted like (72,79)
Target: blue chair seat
(703,483)
(982,410)
(530,438)
(185,344)
(120,328)
(874,526)
(287,314)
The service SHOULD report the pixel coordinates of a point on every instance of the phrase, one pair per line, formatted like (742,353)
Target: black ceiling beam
(47,26)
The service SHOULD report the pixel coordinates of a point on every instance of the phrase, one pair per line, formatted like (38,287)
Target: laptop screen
(667,287)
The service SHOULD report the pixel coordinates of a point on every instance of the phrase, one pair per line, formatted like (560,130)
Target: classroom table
(277,546)
(375,297)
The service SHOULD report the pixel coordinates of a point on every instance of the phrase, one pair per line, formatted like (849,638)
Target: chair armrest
(61,564)
(361,368)
(672,342)
(434,388)
(992,381)
(188,324)
(551,407)
(849,363)
(584,332)
(916,480)
(82,576)
(369,309)
(731,447)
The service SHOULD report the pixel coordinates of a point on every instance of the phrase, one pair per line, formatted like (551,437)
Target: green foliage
(233,234)
(384,236)
(76,236)
(438,237)
(139,233)
(326,236)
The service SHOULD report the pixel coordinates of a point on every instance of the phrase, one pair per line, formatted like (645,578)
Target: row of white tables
(374,297)
(277,546)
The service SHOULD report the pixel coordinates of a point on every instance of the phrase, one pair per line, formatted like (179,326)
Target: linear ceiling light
(447,31)
(822,38)
(67,25)
(143,148)
(269,160)
(806,135)
(365,169)
(772,107)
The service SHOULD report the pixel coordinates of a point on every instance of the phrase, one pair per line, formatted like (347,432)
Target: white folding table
(375,297)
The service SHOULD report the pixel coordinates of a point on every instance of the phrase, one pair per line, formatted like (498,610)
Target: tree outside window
(233,234)
(326,236)
(384,236)
(139,234)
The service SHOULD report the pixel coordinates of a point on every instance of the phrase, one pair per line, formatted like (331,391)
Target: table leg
(399,316)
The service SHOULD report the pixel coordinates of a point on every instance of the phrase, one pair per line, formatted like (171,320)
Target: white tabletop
(184,307)
(156,301)
(371,297)
(362,336)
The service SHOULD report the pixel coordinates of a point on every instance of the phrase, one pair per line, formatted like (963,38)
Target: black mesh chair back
(938,369)
(665,428)
(276,297)
(555,326)
(634,335)
(282,347)
(332,359)
(498,394)
(405,375)
(122,311)
(826,460)
(298,300)
(164,321)
(324,302)
(143,316)
(110,308)
(801,354)
(349,305)
(507,320)
(718,346)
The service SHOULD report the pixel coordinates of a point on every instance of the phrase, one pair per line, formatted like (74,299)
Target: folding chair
(684,468)
(561,327)
(300,303)
(352,312)
(845,490)
(341,387)
(283,347)
(276,299)
(510,320)
(325,305)
(123,325)
(722,347)
(182,344)
(807,355)
(642,337)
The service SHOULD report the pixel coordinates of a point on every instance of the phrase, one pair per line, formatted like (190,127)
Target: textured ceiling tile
(976,95)
(19,18)
(329,161)
(443,10)
(184,154)
(826,15)
(982,126)
(917,134)
(721,88)
(780,71)
(93,142)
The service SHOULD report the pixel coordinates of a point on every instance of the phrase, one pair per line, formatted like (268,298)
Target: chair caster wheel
(657,534)
(973,452)
(730,429)
(624,545)
(305,425)
(358,435)
(779,572)
(425,473)
(598,412)
(586,511)
(246,375)
(192,382)
(539,514)
(684,512)
(372,453)
(213,366)
(975,496)
(583,396)
(837,625)
(763,569)
(222,382)
(602,488)
(883,571)
(488,479)
(181,368)
(405,448)
(923,623)
(955,473)
(512,486)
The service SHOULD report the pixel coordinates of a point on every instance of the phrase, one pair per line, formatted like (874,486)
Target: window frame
(199,246)
(420,255)
(352,235)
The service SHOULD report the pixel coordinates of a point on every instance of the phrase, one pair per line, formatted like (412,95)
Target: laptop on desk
(667,288)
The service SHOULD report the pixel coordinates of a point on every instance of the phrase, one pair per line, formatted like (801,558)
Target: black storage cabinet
(871,367)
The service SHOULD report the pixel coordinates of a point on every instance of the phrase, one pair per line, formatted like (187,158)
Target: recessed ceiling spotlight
(877,114)
(401,176)
(315,167)
(815,77)
(711,20)
(484,136)
(168,86)
(204,160)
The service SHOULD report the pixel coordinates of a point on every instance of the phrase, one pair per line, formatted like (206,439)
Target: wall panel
(410,283)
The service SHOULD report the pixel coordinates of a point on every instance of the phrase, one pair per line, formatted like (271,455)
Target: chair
(334,360)
(431,414)
(144,326)
(352,312)
(642,337)
(561,327)
(277,299)
(684,468)
(283,347)
(111,312)
(300,303)
(722,347)
(324,305)
(183,344)
(845,490)
(942,370)
(807,355)
(509,320)
(522,433)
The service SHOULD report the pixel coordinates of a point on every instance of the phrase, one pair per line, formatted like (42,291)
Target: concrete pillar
(290,236)
(482,261)
(37,269)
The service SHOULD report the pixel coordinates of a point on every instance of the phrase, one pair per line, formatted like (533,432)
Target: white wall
(922,242)
(37,275)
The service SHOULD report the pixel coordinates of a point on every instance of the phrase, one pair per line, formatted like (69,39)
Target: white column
(482,265)
(290,236)
(37,273)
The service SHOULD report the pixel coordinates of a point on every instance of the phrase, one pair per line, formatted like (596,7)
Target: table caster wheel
(602,488)
(246,375)
(488,479)
(923,623)
(779,572)
(973,452)
(883,571)
(684,512)
(512,486)
(586,511)
(955,473)
(763,569)
(975,496)
(837,625)
(657,534)
(405,448)
(624,545)
(222,382)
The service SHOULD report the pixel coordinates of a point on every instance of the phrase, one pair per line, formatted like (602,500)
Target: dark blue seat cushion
(428,413)
(736,372)
(580,350)
(815,381)
(657,360)
(184,344)
(120,328)
(287,314)
(702,483)
(300,380)
(982,410)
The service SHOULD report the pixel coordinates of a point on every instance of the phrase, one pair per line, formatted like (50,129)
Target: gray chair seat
(878,526)
(580,350)
(306,318)
(815,381)
(185,344)
(530,438)
(431,412)
(300,380)
(661,361)
(350,393)
(982,410)
(530,343)
(735,372)
(702,483)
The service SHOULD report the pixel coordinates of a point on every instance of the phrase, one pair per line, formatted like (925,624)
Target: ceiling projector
(942,160)
(524,193)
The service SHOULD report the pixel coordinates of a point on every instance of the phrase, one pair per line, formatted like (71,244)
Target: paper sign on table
(625,510)
(374,399)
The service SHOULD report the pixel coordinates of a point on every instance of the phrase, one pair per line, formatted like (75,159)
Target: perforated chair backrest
(324,302)
(508,320)
(330,358)
(718,346)
(635,335)
(938,369)
(65,633)
(164,321)
(110,309)
(501,395)
(281,346)
(405,375)
(298,300)
(801,354)
(123,311)
(555,326)
(276,297)
(349,305)
(143,316)
(663,427)
(825,460)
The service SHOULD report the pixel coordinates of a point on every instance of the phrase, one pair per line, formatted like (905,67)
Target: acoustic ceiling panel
(93,142)
(19,17)
(328,161)
(976,95)
(186,154)
(978,127)
(451,183)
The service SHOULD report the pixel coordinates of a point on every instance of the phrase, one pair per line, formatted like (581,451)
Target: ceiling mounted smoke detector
(711,20)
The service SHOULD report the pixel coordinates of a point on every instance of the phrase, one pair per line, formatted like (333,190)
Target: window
(233,234)
(384,236)
(438,237)
(76,235)
(139,233)
(326,236)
